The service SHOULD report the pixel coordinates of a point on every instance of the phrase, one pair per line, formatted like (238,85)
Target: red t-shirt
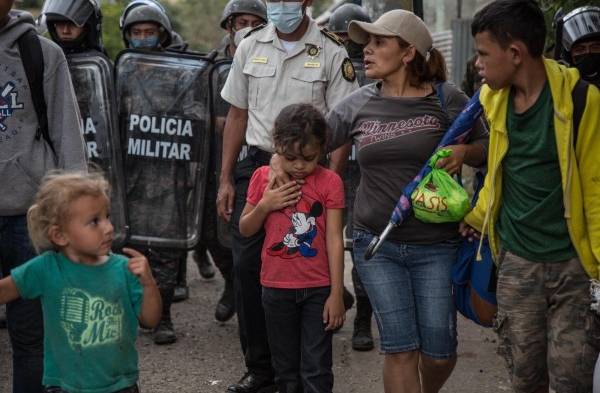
(294,253)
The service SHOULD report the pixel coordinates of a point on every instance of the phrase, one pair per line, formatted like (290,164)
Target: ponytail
(433,69)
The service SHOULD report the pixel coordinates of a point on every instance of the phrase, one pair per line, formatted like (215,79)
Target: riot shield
(220,107)
(163,100)
(92,77)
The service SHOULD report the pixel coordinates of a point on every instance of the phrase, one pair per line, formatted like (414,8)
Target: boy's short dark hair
(301,124)
(513,20)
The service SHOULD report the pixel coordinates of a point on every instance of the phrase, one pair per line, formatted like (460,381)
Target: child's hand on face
(139,266)
(334,312)
(277,198)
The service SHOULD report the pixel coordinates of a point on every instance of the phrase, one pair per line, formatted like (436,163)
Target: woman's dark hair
(511,20)
(300,124)
(422,70)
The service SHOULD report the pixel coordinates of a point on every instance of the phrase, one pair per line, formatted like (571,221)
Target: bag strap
(579,95)
(33,62)
(439,90)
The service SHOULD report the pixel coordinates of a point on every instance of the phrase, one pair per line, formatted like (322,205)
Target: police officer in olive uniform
(362,336)
(579,36)
(146,26)
(288,61)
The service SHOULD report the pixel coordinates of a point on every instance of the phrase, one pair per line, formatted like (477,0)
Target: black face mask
(355,51)
(589,67)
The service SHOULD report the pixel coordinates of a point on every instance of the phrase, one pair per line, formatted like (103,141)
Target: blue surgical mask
(144,43)
(286,16)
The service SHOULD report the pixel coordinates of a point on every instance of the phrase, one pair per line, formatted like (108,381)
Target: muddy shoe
(182,292)
(164,333)
(226,306)
(205,267)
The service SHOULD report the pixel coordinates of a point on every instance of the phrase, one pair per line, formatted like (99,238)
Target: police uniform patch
(312,50)
(348,70)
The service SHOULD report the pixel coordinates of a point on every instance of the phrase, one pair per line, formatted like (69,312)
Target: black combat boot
(348,299)
(205,267)
(226,306)
(182,291)
(164,332)
(362,337)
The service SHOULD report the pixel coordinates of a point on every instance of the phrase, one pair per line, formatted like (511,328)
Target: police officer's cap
(580,24)
(237,7)
(344,14)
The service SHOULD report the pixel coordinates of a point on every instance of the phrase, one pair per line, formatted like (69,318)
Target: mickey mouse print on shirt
(301,234)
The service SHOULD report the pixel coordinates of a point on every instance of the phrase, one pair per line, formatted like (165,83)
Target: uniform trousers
(246,268)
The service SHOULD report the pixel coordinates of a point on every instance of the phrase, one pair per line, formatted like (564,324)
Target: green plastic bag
(439,198)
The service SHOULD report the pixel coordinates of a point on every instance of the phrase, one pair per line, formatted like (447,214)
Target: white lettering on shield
(156,127)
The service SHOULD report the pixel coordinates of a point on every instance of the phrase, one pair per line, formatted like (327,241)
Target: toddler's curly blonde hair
(51,207)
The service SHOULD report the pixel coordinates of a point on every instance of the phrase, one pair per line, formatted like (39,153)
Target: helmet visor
(77,11)
(580,24)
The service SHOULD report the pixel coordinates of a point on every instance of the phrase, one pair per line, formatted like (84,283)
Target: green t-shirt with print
(90,321)
(531,223)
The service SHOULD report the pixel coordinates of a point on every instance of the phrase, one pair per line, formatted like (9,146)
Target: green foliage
(198,21)
(111,34)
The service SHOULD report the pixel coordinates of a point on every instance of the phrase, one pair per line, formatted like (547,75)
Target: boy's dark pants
(24,317)
(300,347)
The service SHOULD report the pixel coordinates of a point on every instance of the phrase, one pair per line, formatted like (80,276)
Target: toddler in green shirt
(92,300)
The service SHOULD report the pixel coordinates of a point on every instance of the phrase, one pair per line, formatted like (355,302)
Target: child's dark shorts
(547,333)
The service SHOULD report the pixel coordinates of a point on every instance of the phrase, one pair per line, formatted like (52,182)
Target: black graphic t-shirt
(395,136)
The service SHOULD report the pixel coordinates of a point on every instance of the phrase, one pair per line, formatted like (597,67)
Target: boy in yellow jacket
(540,205)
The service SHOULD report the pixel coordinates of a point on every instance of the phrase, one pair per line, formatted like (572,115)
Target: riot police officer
(344,162)
(237,15)
(75,25)
(580,39)
(289,60)
(145,25)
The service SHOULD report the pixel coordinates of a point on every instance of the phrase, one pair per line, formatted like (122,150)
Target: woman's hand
(453,163)
(277,198)
(334,312)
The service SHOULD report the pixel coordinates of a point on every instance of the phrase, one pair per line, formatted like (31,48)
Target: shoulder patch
(255,29)
(332,37)
(348,71)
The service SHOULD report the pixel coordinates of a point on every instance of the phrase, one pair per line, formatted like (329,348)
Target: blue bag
(474,281)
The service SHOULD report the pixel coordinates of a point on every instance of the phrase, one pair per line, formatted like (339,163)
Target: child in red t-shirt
(302,256)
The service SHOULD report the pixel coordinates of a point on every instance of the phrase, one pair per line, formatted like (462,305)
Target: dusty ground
(207,356)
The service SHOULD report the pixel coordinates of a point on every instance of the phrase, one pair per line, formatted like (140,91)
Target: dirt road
(207,356)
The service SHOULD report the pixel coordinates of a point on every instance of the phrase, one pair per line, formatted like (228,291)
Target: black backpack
(33,62)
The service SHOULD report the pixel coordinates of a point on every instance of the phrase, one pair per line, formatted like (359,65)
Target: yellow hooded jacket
(579,168)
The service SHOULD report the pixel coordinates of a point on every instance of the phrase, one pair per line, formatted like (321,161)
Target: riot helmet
(338,24)
(146,11)
(84,14)
(239,7)
(341,17)
(578,27)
